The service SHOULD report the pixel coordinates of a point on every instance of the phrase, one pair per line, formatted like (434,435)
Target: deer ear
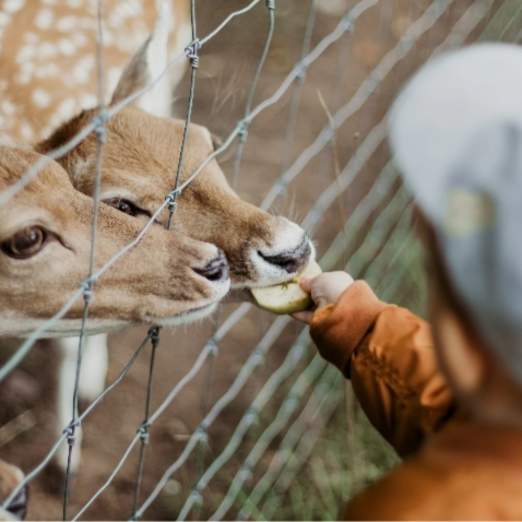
(146,65)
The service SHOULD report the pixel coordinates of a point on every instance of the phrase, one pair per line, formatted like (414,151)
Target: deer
(45,239)
(140,155)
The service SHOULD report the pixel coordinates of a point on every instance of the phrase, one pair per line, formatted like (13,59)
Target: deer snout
(216,270)
(283,255)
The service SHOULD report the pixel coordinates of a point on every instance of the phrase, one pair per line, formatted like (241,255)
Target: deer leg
(95,363)
(68,347)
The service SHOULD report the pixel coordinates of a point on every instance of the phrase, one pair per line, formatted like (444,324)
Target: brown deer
(139,164)
(45,241)
(45,238)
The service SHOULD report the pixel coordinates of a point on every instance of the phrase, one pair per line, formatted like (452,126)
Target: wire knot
(245,473)
(270,4)
(242,130)
(201,435)
(258,358)
(143,432)
(251,416)
(171,201)
(70,432)
(154,335)
(99,123)
(213,347)
(87,290)
(191,52)
(301,71)
(347,24)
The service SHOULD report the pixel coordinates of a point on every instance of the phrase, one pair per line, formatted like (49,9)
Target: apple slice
(286,298)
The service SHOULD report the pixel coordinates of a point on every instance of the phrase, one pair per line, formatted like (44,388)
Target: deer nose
(290,261)
(216,270)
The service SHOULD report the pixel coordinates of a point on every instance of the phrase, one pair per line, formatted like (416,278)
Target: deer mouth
(190,316)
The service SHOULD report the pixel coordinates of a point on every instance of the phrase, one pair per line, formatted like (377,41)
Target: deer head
(44,250)
(139,166)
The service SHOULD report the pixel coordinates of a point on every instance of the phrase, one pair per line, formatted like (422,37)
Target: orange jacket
(464,471)
(388,354)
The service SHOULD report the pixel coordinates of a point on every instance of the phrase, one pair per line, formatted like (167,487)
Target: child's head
(456,132)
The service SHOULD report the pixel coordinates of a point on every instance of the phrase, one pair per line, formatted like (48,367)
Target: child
(456,133)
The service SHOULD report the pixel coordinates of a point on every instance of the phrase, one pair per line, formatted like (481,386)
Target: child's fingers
(305,317)
(306,284)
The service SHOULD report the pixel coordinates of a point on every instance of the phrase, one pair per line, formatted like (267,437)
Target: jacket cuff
(337,329)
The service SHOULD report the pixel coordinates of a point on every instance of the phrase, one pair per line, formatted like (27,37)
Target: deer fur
(158,281)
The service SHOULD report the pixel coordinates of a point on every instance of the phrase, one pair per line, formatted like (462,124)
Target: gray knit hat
(456,133)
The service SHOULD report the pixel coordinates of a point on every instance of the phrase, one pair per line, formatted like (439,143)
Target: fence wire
(308,385)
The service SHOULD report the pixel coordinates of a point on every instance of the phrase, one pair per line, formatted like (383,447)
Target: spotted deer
(138,170)
(45,240)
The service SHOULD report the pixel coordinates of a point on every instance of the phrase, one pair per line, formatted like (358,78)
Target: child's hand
(324,289)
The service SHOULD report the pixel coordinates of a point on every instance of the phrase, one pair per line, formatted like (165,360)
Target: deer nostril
(216,270)
(290,261)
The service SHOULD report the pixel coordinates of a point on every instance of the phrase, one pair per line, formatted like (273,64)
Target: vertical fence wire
(243,131)
(88,288)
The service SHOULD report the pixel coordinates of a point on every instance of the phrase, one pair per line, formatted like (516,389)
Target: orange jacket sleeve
(388,353)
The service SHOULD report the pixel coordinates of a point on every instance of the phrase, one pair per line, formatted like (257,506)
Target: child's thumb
(306,284)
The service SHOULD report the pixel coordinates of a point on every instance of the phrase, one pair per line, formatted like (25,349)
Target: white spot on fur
(4,19)
(26,131)
(66,108)
(88,100)
(41,98)
(11,6)
(79,39)
(8,107)
(47,70)
(66,24)
(66,46)
(81,72)
(26,53)
(44,19)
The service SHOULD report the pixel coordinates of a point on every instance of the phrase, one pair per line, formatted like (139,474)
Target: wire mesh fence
(243,455)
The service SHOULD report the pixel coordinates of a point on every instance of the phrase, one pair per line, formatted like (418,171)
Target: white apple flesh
(287,298)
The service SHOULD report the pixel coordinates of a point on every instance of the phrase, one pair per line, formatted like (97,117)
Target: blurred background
(308,448)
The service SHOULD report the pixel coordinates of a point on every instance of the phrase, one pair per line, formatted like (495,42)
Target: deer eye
(25,243)
(125,206)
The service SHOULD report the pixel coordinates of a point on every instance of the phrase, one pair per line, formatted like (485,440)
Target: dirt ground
(226,70)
